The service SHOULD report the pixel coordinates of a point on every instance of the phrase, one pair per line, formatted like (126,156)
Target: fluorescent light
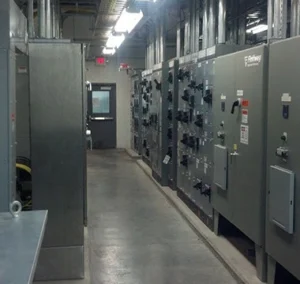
(128,21)
(109,51)
(114,41)
(257,29)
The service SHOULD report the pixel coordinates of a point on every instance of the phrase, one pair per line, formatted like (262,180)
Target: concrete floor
(135,235)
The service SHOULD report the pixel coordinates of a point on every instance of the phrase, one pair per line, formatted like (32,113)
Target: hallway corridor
(135,235)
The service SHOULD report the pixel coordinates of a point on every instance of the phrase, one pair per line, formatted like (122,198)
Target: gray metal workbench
(20,243)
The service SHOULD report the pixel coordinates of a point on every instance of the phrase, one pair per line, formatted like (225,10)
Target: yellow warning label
(235,147)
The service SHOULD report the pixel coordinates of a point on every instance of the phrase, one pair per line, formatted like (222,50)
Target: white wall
(110,74)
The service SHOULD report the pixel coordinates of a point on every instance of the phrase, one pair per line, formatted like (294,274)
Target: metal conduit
(42,18)
(212,24)
(53,13)
(222,22)
(31,31)
(205,26)
(48,19)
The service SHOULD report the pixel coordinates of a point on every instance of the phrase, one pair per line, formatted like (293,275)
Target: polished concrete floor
(135,235)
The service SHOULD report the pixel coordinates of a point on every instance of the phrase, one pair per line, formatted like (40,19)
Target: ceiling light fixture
(115,41)
(128,21)
(108,51)
(257,29)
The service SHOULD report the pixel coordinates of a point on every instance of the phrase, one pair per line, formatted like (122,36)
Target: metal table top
(20,243)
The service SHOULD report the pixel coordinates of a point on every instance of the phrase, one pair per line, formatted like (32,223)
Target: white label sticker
(244,116)
(205,120)
(206,82)
(245,134)
(166,159)
(205,168)
(197,163)
(22,70)
(199,65)
(223,98)
(202,101)
(286,98)
(205,159)
(240,93)
(203,142)
(205,133)
(198,112)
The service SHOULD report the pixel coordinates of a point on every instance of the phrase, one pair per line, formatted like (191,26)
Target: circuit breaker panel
(136,113)
(283,164)
(239,115)
(146,93)
(159,140)
(170,159)
(195,133)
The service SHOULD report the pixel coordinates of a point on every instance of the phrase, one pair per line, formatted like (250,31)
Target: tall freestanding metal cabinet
(146,84)
(239,115)
(136,113)
(58,143)
(283,158)
(159,123)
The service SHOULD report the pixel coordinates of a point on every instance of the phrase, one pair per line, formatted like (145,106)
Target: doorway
(102,112)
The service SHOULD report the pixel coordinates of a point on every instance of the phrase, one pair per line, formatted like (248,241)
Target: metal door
(102,115)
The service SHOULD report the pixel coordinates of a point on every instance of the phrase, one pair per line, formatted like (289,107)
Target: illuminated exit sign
(100,61)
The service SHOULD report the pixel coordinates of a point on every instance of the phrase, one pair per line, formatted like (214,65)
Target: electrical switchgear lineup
(195,133)
(146,99)
(136,114)
(228,143)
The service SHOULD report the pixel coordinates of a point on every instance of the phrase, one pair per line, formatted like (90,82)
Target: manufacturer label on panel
(240,93)
(223,98)
(22,70)
(244,116)
(245,134)
(252,60)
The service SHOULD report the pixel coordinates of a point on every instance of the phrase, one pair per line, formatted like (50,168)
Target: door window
(101,102)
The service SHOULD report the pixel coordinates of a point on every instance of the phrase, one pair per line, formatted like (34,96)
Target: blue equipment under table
(20,242)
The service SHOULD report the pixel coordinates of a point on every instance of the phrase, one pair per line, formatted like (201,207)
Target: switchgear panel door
(283,152)
(244,135)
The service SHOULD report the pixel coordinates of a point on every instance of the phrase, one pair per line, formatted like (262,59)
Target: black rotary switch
(170,133)
(191,142)
(170,78)
(186,95)
(145,123)
(184,161)
(186,74)
(206,190)
(147,152)
(199,87)
(170,96)
(208,96)
(145,97)
(185,117)
(192,101)
(199,121)
(170,115)
(158,85)
(235,104)
(169,153)
(179,116)
(145,143)
(180,75)
(144,82)
(192,84)
(185,139)
(198,185)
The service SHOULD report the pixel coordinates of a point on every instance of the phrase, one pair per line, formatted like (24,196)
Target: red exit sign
(100,61)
